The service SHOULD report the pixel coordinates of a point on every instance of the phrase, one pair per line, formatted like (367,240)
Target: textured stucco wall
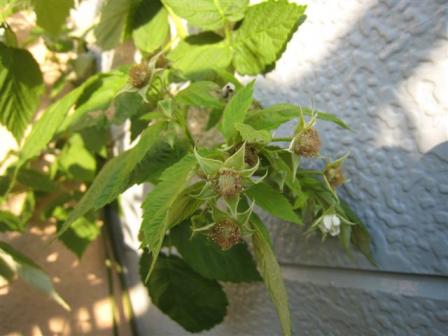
(383,67)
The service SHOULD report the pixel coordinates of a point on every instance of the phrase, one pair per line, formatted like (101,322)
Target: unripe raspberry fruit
(307,143)
(138,75)
(228,183)
(335,176)
(226,234)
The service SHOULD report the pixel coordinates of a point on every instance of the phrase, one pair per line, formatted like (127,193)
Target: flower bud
(330,224)
(226,234)
(138,75)
(228,183)
(307,143)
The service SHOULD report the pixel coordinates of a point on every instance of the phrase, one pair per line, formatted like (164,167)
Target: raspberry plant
(201,220)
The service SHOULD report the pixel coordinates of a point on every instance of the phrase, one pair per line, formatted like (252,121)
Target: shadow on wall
(374,78)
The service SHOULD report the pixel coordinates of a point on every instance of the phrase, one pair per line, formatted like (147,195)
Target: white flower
(330,224)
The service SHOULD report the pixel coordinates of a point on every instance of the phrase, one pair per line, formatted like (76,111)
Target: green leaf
(36,180)
(196,303)
(271,273)
(201,94)
(206,258)
(114,23)
(262,38)
(157,205)
(273,201)
(360,237)
(80,234)
(76,161)
(45,128)
(251,135)
(28,271)
(114,178)
(150,25)
(10,222)
(201,52)
(236,109)
(20,88)
(52,14)
(97,95)
(127,104)
(276,115)
(209,14)
(159,157)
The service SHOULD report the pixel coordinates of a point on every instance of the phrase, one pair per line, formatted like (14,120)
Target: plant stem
(281,139)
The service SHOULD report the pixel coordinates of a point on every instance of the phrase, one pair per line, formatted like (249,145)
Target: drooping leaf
(114,178)
(272,117)
(114,22)
(209,14)
(262,38)
(271,273)
(150,25)
(52,14)
(207,258)
(360,237)
(80,234)
(196,303)
(157,205)
(20,88)
(201,94)
(236,109)
(273,201)
(251,135)
(28,271)
(201,52)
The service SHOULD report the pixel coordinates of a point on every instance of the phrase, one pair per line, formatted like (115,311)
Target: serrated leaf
(45,128)
(201,52)
(52,14)
(114,178)
(196,303)
(150,25)
(157,204)
(236,109)
(271,273)
(251,135)
(207,258)
(114,22)
(201,94)
(159,157)
(263,35)
(276,115)
(28,271)
(97,95)
(273,201)
(209,14)
(20,88)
